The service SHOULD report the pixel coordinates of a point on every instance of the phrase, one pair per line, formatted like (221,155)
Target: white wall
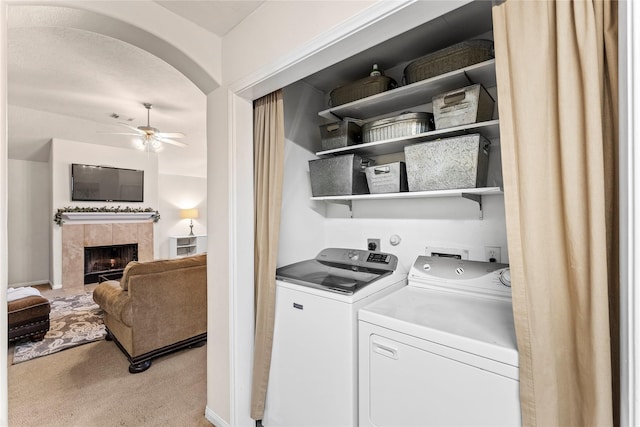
(276,28)
(63,154)
(30,219)
(178,192)
(302,233)
(219,268)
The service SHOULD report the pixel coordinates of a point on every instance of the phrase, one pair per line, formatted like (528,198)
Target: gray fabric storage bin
(340,134)
(338,176)
(389,178)
(446,164)
(462,106)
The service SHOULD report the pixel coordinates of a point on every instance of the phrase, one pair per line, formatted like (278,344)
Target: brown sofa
(157,307)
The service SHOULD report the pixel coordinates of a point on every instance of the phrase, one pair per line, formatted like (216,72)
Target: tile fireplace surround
(75,237)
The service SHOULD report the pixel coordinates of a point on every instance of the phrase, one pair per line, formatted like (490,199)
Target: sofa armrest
(114,300)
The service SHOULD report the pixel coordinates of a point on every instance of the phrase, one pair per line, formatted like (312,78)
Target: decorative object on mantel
(58,217)
(189,214)
(75,320)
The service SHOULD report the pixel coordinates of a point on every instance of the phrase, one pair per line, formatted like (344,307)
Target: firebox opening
(107,262)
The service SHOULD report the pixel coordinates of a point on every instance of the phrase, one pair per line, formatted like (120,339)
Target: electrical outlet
(492,253)
(373,245)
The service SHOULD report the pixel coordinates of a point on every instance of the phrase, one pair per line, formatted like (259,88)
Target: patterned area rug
(75,320)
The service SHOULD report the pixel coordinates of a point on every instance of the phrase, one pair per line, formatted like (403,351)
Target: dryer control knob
(505,277)
(426,267)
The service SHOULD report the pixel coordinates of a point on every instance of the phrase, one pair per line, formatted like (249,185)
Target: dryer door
(411,382)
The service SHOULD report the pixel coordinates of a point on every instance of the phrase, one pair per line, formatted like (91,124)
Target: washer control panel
(458,275)
(378,257)
(359,258)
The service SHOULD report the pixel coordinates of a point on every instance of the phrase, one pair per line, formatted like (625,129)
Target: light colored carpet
(90,386)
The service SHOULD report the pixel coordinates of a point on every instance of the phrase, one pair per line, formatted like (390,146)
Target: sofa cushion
(135,268)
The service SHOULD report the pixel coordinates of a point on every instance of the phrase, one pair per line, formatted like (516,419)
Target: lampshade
(189,213)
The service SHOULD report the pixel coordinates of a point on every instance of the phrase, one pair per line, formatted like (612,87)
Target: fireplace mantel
(107,216)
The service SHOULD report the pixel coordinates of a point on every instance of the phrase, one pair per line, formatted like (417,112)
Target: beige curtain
(268,166)
(556,64)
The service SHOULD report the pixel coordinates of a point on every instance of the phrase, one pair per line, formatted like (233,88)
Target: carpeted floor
(90,386)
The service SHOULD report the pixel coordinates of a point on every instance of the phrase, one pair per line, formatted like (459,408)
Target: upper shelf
(489,129)
(463,192)
(414,94)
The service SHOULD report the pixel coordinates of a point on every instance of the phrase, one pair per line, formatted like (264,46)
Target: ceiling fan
(152,138)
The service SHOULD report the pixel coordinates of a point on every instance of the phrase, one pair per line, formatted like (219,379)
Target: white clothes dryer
(313,378)
(442,350)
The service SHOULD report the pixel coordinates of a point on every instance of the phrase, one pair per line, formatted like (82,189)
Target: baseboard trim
(32,283)
(214,419)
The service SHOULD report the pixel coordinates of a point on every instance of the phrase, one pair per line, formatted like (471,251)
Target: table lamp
(189,214)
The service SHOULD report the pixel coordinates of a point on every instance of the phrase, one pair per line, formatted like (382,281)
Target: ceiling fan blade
(119,133)
(171,141)
(135,129)
(170,135)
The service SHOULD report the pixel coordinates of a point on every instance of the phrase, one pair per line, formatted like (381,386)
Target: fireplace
(107,262)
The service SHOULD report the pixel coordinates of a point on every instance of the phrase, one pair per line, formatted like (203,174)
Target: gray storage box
(340,134)
(446,164)
(406,124)
(449,59)
(389,178)
(338,176)
(462,106)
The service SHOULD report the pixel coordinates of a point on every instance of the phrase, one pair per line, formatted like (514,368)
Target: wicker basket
(448,59)
(361,89)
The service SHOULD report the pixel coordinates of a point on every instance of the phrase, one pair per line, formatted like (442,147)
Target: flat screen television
(91,183)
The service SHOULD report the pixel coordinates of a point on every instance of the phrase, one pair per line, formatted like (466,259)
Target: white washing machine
(442,350)
(313,377)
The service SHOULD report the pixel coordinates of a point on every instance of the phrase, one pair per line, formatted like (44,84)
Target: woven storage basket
(361,89)
(448,59)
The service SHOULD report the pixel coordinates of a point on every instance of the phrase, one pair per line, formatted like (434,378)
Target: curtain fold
(556,64)
(268,137)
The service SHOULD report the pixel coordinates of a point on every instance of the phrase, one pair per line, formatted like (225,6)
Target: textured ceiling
(66,83)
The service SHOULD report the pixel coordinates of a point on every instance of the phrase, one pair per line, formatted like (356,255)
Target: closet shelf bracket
(476,198)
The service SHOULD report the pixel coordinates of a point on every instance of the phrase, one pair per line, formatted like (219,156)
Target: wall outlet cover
(492,253)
